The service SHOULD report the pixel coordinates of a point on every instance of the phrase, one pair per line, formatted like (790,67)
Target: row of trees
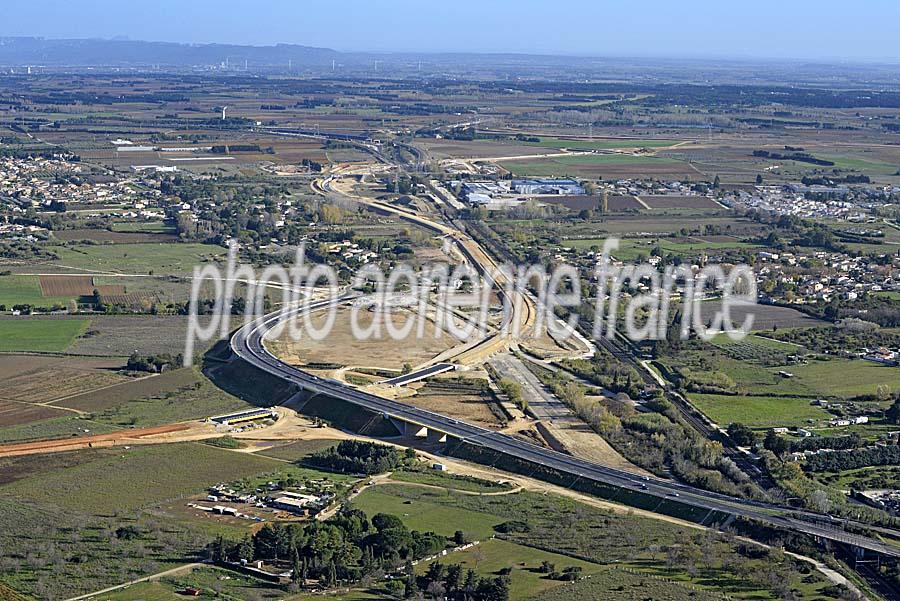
(838,461)
(153,363)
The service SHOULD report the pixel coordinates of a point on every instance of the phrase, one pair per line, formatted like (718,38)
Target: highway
(248,343)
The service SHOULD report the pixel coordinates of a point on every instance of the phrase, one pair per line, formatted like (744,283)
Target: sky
(786,29)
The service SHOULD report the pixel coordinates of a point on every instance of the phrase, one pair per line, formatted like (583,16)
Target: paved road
(248,344)
(541,403)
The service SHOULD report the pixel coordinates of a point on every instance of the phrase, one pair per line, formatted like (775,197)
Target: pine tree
(297,570)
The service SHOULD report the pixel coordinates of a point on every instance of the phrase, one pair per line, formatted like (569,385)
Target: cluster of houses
(19,232)
(834,275)
(51,184)
(813,201)
(351,252)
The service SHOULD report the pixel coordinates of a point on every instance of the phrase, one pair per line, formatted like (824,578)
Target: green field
(436,478)
(26,290)
(621,585)
(631,250)
(583,165)
(124,480)
(423,515)
(297,451)
(169,258)
(220,584)
(602,144)
(491,556)
(40,335)
(758,411)
(144,227)
(187,395)
(846,377)
(56,427)
(722,340)
(867,166)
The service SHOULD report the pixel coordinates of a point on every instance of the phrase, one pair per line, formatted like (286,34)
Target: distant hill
(15,51)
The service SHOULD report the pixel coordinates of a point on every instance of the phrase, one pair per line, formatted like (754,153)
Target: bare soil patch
(765,316)
(680,202)
(66,285)
(15,414)
(342,348)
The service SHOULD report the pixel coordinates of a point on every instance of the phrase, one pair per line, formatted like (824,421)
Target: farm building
(244,416)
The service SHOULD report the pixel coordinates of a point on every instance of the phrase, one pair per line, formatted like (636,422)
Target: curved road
(248,343)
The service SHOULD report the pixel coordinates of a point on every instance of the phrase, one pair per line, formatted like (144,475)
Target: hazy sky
(865,29)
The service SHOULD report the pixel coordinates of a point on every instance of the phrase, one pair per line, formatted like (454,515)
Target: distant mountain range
(19,51)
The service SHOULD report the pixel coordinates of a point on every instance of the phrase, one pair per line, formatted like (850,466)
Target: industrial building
(568,187)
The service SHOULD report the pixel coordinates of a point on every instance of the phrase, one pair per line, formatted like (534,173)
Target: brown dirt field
(623,203)
(66,285)
(14,365)
(766,316)
(16,414)
(98,440)
(578,203)
(574,203)
(680,202)
(54,382)
(114,237)
(342,348)
(99,400)
(465,407)
(16,468)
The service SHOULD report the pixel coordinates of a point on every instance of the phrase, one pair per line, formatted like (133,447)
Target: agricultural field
(680,202)
(175,396)
(761,382)
(765,317)
(216,583)
(603,143)
(633,249)
(430,477)
(142,476)
(37,423)
(142,258)
(34,334)
(121,335)
(462,149)
(136,233)
(607,166)
(759,412)
(616,584)
(27,290)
